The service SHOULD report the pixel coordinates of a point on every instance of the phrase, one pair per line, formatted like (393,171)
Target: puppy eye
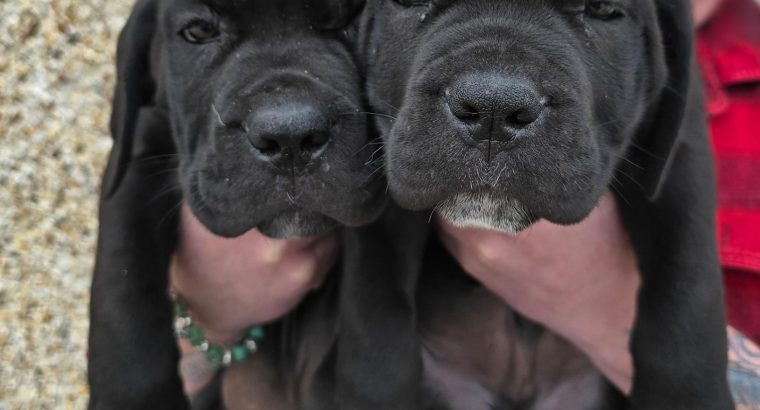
(200,32)
(604,10)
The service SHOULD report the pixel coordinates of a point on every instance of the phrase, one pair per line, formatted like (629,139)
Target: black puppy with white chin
(251,113)
(504,112)
(518,111)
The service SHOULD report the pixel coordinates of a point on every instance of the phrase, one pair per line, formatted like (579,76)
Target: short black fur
(250,112)
(500,113)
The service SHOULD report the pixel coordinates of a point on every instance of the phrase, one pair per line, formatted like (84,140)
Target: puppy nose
(494,107)
(291,133)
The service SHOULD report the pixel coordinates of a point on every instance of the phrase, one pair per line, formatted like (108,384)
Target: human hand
(231,284)
(580,281)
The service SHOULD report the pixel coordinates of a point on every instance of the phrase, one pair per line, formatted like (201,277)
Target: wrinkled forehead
(560,4)
(640,15)
(262,9)
(243,9)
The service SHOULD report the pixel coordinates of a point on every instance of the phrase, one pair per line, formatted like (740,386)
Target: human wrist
(611,356)
(601,325)
(219,348)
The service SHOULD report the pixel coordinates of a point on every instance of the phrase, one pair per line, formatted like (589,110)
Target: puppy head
(509,111)
(264,103)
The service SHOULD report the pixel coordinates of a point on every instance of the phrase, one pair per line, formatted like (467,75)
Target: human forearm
(744,370)
(613,359)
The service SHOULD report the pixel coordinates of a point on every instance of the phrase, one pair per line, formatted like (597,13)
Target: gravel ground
(56,79)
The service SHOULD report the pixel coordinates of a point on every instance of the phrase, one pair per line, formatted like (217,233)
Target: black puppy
(510,111)
(251,113)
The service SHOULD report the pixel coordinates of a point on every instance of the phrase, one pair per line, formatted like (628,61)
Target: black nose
(289,133)
(495,108)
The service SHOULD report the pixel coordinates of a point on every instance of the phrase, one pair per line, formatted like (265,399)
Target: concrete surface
(56,79)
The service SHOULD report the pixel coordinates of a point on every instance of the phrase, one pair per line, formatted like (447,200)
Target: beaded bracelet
(216,354)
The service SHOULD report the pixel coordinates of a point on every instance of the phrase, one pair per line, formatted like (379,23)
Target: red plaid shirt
(729,54)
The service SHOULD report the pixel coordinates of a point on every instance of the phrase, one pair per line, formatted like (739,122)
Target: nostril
(466,113)
(523,118)
(265,145)
(463,109)
(314,142)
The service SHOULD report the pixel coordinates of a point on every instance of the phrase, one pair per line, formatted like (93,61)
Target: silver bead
(227,358)
(251,345)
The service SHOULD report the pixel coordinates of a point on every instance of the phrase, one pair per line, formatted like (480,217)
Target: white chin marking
(287,226)
(484,210)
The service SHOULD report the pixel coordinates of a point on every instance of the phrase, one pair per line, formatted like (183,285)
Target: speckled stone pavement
(56,79)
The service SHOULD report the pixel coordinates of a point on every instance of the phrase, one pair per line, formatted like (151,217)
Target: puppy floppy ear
(135,88)
(671,116)
(333,14)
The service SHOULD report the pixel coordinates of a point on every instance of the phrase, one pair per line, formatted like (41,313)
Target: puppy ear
(333,14)
(135,88)
(671,117)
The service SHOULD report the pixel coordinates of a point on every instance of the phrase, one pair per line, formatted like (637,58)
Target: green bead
(194,335)
(256,333)
(239,353)
(180,308)
(215,354)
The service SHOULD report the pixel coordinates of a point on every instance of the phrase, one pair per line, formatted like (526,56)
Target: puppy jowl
(511,110)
